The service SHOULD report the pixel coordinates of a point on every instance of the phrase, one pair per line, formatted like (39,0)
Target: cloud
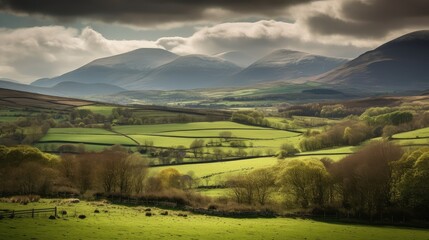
(259,38)
(373,19)
(29,53)
(148,12)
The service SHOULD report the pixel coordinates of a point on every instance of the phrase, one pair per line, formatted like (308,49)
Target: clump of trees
(287,149)
(26,130)
(113,170)
(410,188)
(26,170)
(254,187)
(307,182)
(250,118)
(350,132)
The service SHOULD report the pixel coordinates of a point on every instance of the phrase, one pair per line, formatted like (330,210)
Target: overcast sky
(45,38)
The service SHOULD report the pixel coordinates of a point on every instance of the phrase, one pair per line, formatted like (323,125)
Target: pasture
(122,222)
(94,139)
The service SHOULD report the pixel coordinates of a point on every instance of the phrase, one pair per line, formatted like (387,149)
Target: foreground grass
(131,223)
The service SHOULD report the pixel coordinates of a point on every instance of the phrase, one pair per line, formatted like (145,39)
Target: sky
(46,38)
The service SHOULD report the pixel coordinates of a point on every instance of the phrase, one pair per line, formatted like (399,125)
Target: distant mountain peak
(238,58)
(286,64)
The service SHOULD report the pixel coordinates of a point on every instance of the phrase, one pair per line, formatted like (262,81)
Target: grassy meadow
(123,222)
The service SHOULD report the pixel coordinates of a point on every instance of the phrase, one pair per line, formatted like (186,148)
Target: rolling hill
(21,99)
(400,64)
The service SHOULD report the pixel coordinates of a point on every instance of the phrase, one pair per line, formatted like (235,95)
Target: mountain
(22,87)
(67,89)
(8,80)
(114,70)
(238,58)
(285,64)
(76,89)
(187,72)
(401,64)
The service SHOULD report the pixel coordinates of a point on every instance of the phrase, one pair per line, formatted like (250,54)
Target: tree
(225,135)
(242,188)
(411,177)
(218,154)
(197,148)
(170,178)
(305,180)
(364,178)
(263,180)
(179,153)
(287,149)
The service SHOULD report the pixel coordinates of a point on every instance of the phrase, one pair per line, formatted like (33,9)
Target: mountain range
(149,68)
(398,65)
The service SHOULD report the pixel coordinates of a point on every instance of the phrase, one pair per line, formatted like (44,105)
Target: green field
(131,223)
(160,128)
(419,133)
(221,168)
(85,135)
(242,133)
(103,110)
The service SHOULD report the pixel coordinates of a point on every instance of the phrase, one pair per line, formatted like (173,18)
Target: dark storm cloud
(371,18)
(144,12)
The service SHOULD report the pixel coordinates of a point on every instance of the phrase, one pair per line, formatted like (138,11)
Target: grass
(88,131)
(130,223)
(346,149)
(159,128)
(103,110)
(243,133)
(221,168)
(87,138)
(214,192)
(7,118)
(419,133)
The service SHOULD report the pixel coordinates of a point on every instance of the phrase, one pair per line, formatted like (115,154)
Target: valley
(162,144)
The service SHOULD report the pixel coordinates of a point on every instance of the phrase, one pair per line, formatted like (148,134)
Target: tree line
(379,180)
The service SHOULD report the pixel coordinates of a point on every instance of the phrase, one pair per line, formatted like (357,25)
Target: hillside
(20,99)
(400,64)
(285,64)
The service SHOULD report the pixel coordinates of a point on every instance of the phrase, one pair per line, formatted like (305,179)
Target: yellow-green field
(121,222)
